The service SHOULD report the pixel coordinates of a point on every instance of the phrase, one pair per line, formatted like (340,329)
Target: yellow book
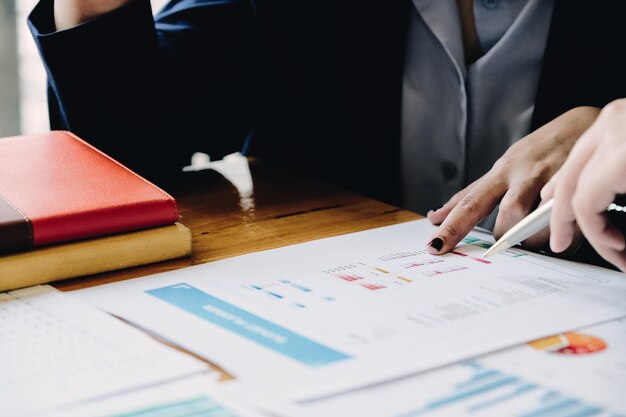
(76,259)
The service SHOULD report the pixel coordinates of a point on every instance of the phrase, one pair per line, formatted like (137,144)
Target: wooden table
(283,210)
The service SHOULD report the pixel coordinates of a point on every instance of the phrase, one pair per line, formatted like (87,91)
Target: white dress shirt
(457,120)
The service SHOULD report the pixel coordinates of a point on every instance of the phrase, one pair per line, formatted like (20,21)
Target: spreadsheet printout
(57,350)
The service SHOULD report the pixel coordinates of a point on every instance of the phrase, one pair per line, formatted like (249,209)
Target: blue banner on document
(247,325)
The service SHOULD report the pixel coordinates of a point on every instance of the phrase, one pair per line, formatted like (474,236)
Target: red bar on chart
(349,278)
(373,287)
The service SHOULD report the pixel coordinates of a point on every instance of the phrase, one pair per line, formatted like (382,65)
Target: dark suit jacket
(318,82)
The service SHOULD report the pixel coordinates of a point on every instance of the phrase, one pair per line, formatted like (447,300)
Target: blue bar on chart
(488,391)
(247,325)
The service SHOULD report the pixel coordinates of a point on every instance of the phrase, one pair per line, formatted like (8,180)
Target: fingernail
(436,244)
(434,210)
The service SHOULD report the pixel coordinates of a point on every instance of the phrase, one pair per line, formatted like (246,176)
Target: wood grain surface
(282,210)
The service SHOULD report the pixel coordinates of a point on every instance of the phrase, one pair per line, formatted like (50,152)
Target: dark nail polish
(436,244)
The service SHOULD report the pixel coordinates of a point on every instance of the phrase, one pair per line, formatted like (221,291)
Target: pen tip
(495,248)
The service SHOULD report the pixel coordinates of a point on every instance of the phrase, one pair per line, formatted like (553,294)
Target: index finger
(562,218)
(470,210)
(602,179)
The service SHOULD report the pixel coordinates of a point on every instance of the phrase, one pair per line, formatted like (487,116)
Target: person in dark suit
(404,101)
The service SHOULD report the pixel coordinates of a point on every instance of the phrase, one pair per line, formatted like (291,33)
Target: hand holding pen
(588,183)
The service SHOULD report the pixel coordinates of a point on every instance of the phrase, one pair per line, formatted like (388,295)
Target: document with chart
(580,373)
(336,314)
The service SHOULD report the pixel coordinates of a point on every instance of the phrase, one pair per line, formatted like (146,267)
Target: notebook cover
(92,256)
(55,187)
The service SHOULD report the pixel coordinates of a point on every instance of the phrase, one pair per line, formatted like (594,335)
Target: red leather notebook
(54,187)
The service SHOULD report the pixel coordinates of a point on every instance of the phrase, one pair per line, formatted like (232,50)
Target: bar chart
(490,392)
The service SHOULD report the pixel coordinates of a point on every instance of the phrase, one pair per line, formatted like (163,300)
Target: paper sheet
(195,396)
(575,374)
(336,314)
(57,350)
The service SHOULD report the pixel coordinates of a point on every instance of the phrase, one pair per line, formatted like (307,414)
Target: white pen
(527,227)
(536,221)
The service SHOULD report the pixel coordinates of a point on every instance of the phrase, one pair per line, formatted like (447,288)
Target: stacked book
(68,210)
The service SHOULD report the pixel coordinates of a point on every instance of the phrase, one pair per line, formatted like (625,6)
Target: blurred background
(23,108)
